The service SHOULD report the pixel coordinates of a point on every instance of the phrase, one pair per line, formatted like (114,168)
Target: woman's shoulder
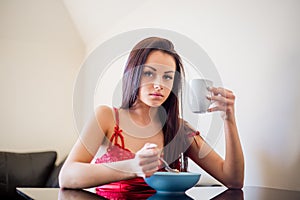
(103,108)
(186,126)
(104,114)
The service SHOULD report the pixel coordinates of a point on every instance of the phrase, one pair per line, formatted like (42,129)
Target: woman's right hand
(146,160)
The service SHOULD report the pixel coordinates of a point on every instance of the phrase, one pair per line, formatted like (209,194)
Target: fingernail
(151,145)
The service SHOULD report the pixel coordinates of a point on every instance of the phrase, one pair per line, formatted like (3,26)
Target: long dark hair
(170,108)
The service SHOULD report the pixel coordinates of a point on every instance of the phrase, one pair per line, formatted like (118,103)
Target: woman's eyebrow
(150,67)
(169,72)
(156,70)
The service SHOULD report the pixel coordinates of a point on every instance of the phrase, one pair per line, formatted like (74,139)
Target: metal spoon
(182,162)
(168,168)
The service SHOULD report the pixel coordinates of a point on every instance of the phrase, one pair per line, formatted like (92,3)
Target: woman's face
(157,78)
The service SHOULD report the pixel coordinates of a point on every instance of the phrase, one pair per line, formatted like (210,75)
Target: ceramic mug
(198,92)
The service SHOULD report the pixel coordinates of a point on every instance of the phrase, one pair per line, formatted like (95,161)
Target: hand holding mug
(203,97)
(223,100)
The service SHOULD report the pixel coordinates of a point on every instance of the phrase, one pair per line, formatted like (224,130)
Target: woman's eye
(167,77)
(148,74)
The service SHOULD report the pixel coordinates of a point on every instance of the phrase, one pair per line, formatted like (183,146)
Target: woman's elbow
(65,180)
(235,180)
(235,184)
(62,180)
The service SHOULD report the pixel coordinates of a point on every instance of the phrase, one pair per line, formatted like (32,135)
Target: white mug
(197,96)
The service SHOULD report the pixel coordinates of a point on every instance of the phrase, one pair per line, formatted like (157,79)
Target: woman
(149,115)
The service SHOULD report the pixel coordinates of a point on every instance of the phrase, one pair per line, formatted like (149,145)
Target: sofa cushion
(53,178)
(25,170)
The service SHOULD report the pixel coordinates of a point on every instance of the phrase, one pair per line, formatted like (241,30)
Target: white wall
(40,55)
(254,45)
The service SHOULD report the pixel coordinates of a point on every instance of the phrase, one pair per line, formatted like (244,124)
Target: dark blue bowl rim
(175,174)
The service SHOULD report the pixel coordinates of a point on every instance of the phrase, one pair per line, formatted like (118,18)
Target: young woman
(150,114)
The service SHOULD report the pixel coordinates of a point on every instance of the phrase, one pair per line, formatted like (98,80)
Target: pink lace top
(117,152)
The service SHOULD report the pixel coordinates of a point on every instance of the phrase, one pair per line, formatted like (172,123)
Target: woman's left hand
(223,100)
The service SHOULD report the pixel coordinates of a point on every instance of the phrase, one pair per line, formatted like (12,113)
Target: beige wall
(40,55)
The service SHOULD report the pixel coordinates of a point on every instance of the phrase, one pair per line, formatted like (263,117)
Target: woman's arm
(78,172)
(229,171)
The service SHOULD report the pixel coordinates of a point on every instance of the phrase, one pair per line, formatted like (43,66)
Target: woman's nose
(157,86)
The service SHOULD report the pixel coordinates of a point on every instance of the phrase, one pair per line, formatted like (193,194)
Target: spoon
(167,167)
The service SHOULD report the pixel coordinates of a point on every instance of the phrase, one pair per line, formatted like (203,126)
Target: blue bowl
(166,182)
(169,196)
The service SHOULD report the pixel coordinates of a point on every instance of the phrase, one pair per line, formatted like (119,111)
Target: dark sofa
(33,169)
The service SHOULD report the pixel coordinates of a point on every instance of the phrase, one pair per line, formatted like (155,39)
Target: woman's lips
(156,95)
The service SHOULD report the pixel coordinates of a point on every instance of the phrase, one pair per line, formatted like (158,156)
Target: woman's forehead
(161,61)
